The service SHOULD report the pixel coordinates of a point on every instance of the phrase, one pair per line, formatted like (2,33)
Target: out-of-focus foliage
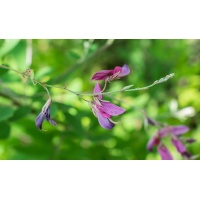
(72,63)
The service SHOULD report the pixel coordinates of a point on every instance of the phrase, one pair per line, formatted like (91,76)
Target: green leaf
(5,130)
(6,113)
(21,112)
(7,46)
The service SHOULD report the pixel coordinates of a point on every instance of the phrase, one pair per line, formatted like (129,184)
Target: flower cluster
(174,132)
(102,109)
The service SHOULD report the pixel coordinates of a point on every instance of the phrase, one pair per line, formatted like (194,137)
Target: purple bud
(151,122)
(190,140)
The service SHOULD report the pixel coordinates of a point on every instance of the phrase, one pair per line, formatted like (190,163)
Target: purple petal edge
(164,152)
(39,120)
(104,122)
(125,70)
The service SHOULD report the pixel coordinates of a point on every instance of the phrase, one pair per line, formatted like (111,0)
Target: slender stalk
(105,84)
(45,89)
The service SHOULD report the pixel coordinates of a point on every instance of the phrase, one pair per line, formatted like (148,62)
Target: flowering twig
(124,89)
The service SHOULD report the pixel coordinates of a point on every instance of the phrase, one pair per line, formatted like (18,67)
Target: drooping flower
(174,132)
(112,74)
(104,110)
(44,114)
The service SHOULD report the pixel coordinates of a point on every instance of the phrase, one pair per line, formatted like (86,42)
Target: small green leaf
(5,130)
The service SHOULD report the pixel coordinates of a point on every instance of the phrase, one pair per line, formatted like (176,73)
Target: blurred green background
(78,134)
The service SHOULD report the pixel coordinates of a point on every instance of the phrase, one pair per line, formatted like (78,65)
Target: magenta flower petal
(154,141)
(102,75)
(164,152)
(112,109)
(125,71)
(104,122)
(179,145)
(102,112)
(117,69)
(97,89)
(179,130)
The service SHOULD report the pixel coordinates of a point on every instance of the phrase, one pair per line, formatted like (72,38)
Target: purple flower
(112,74)
(104,110)
(45,114)
(174,132)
